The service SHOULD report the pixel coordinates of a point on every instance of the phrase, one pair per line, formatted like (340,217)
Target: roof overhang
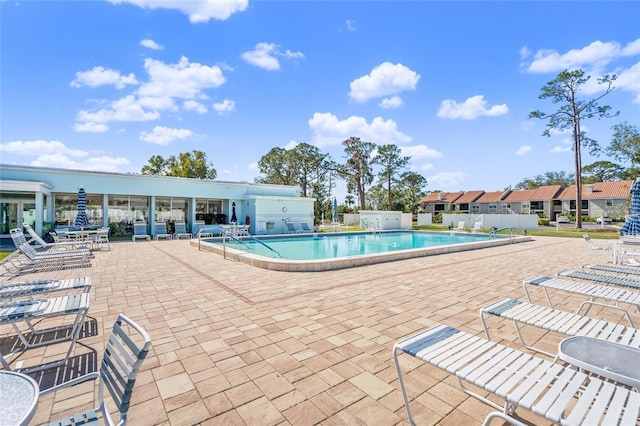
(25,186)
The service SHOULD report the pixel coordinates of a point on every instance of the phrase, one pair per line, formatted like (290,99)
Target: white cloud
(472,108)
(100,76)
(124,109)
(328,130)
(561,148)
(100,164)
(629,80)
(90,127)
(184,80)
(390,103)
(225,107)
(384,80)
(191,105)
(447,179)
(292,144)
(164,135)
(420,151)
(426,166)
(597,54)
(40,147)
(524,149)
(350,25)
(264,56)
(150,44)
(199,11)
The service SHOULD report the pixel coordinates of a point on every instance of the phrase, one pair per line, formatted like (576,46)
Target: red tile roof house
(601,198)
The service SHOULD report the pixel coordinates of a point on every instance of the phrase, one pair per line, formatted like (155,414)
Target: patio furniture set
(47,312)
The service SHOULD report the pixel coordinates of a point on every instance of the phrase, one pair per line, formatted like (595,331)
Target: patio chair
(461,226)
(558,393)
(615,296)
(140,231)
(621,270)
(124,354)
(101,238)
(565,323)
(290,228)
(19,239)
(477,227)
(42,245)
(242,230)
(40,287)
(600,278)
(28,317)
(197,225)
(181,231)
(305,227)
(161,231)
(591,246)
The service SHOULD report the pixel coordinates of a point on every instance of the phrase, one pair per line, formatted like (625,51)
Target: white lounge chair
(477,227)
(40,287)
(161,231)
(181,231)
(27,317)
(621,270)
(461,226)
(557,393)
(42,246)
(566,323)
(600,278)
(126,349)
(594,292)
(140,231)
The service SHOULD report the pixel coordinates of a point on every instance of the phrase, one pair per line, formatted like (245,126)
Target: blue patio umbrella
(335,210)
(82,219)
(632,225)
(233,212)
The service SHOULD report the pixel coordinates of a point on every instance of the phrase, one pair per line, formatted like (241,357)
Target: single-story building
(45,197)
(600,198)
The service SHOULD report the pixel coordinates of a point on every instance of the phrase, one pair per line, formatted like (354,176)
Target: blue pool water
(331,246)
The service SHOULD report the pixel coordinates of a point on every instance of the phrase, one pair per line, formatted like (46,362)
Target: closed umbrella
(335,210)
(234,219)
(82,219)
(632,225)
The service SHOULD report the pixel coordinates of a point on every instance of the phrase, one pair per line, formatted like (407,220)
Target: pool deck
(238,345)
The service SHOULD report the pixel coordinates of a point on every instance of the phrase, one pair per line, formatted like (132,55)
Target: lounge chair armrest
(72,382)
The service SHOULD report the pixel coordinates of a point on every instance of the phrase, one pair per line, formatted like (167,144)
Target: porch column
(39,212)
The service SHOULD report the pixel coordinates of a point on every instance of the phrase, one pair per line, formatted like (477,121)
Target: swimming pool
(328,251)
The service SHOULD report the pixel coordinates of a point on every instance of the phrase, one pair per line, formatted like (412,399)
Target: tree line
(377,176)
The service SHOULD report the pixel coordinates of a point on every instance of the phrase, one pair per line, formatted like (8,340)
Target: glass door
(14,213)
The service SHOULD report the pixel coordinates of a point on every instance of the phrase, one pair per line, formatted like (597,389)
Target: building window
(475,208)
(609,203)
(493,207)
(66,209)
(171,209)
(127,209)
(210,211)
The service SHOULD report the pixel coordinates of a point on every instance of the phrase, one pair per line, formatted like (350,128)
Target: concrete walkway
(239,345)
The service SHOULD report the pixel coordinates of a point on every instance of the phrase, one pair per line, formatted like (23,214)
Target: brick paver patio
(237,345)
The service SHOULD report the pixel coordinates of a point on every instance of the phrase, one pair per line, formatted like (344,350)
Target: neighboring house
(601,198)
(598,199)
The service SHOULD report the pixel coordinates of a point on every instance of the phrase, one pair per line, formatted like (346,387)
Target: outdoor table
(19,398)
(612,360)
(83,235)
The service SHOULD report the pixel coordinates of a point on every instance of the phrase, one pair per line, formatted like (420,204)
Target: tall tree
(188,164)
(563,179)
(565,90)
(277,167)
(393,164)
(625,145)
(357,170)
(412,188)
(602,171)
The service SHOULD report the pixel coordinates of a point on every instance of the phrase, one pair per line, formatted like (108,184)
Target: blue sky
(105,85)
